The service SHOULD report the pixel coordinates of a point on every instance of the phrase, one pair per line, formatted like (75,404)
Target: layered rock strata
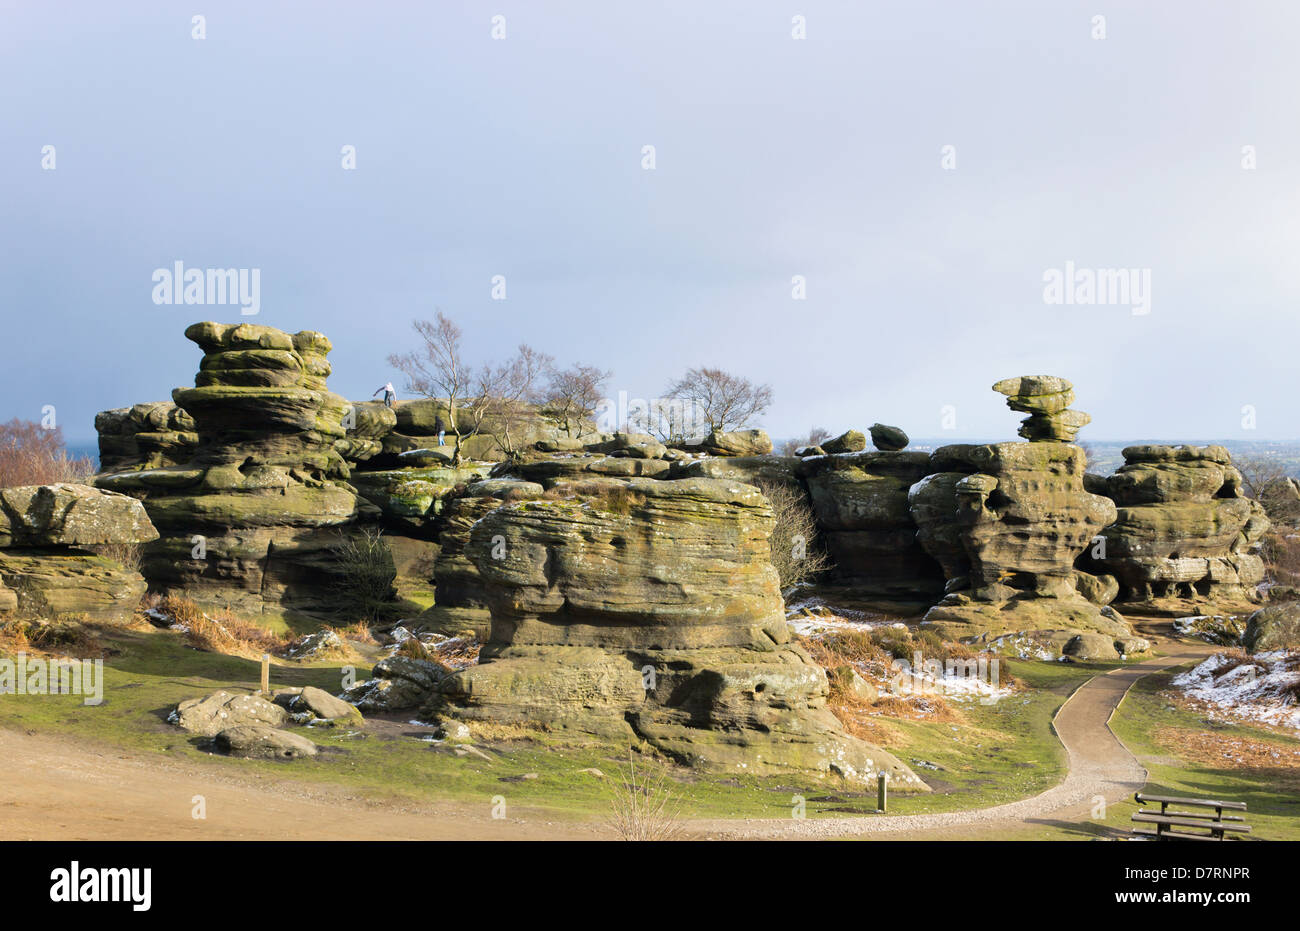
(48,565)
(649,609)
(1185,536)
(252,520)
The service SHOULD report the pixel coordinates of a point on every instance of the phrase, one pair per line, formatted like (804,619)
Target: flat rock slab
(259,742)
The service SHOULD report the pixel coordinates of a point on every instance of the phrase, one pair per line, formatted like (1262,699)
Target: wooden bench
(1167,823)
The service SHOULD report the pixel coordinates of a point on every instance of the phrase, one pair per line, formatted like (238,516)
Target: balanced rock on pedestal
(1046,399)
(1007,520)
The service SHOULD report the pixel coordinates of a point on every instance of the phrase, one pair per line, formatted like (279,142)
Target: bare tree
(815,437)
(724,401)
(517,387)
(794,542)
(31,454)
(574,393)
(437,370)
(1268,482)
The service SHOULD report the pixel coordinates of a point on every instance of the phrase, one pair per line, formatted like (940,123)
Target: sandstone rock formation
(888,438)
(861,504)
(1046,399)
(1184,537)
(250,521)
(46,569)
(648,609)
(1007,521)
(145,436)
(850,441)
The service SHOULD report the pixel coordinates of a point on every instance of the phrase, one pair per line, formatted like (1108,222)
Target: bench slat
(1148,818)
(1176,835)
(1177,800)
(1205,816)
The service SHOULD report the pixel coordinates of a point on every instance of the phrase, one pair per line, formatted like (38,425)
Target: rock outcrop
(649,609)
(1276,627)
(1046,399)
(251,521)
(47,569)
(145,436)
(861,504)
(1007,521)
(1185,536)
(890,439)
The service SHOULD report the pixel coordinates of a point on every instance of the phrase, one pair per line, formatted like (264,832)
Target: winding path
(1099,765)
(55,787)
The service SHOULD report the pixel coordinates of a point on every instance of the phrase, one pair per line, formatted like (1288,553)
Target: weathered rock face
(48,583)
(860,501)
(412,499)
(70,515)
(251,521)
(1046,399)
(1276,627)
(649,609)
(1184,535)
(145,436)
(461,597)
(888,438)
(1007,521)
(45,571)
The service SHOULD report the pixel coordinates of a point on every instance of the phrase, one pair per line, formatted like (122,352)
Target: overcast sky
(774,157)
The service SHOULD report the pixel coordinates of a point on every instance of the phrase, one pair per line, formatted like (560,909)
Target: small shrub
(366,573)
(644,806)
(129,556)
(794,542)
(31,454)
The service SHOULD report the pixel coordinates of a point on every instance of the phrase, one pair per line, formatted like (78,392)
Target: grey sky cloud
(775,157)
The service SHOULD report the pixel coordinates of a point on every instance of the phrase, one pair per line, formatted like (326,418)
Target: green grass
(1273,808)
(1006,751)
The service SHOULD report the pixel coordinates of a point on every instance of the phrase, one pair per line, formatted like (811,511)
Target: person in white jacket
(390,394)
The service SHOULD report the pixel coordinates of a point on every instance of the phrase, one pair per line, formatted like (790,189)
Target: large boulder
(259,742)
(850,441)
(737,443)
(649,609)
(1185,536)
(398,682)
(70,515)
(1276,627)
(214,713)
(890,439)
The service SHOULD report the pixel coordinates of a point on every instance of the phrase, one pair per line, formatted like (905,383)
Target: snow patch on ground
(1265,689)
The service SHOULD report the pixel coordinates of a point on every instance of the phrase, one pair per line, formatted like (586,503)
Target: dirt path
(1099,765)
(55,788)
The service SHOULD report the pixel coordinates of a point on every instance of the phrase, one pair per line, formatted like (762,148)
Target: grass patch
(1189,755)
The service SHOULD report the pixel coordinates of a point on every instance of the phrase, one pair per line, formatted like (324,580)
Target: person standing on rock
(441,429)
(390,394)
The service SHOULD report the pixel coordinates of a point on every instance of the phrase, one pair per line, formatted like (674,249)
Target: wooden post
(266,673)
(882,791)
